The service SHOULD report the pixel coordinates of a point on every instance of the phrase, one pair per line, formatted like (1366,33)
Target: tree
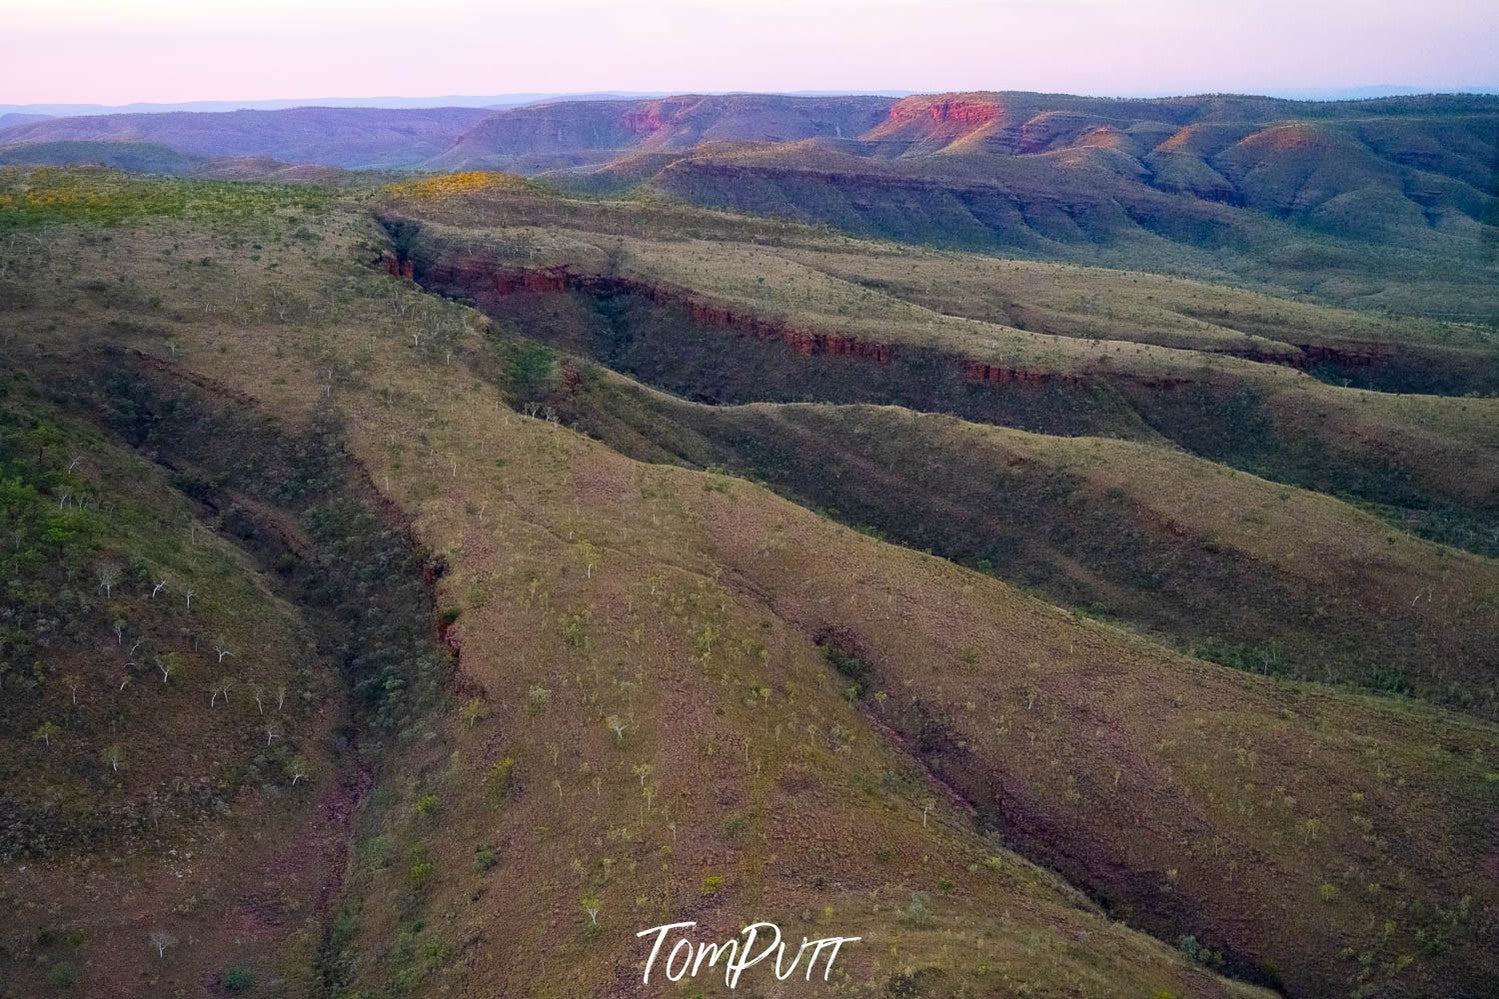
(643,770)
(258,692)
(113,755)
(161,940)
(299,768)
(475,710)
(44,733)
(590,556)
(617,726)
(221,689)
(43,436)
(927,804)
(222,652)
(591,905)
(190,595)
(161,585)
(72,680)
(109,575)
(170,664)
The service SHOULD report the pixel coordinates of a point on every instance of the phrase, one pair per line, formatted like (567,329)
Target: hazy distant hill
(134,157)
(583,132)
(1387,203)
(1279,190)
(1358,166)
(346,137)
(15,118)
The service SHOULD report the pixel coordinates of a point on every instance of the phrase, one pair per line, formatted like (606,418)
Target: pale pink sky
(114,52)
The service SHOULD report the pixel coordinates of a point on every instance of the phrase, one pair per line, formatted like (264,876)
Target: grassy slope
(177,812)
(645,593)
(1428,454)
(825,583)
(1004,921)
(1091,303)
(1274,579)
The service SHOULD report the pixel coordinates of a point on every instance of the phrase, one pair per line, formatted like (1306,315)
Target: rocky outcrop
(999,374)
(394,265)
(482,279)
(1357,356)
(971,111)
(645,121)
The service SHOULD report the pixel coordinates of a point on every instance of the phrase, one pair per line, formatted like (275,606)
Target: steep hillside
(1238,570)
(168,724)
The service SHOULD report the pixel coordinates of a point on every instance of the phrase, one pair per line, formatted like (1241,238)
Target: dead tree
(161,940)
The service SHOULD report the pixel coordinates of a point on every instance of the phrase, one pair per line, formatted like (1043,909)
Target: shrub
(918,911)
(1195,951)
(62,975)
(501,780)
(236,980)
(846,663)
(422,867)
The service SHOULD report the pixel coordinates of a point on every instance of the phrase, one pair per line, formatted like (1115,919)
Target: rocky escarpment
(716,351)
(486,282)
(483,283)
(965,111)
(707,350)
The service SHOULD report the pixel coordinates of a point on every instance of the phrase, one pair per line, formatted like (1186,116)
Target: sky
(123,51)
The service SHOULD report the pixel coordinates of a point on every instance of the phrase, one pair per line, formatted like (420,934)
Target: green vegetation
(531,676)
(42,198)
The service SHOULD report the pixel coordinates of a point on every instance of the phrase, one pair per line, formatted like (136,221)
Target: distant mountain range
(1190,182)
(495,101)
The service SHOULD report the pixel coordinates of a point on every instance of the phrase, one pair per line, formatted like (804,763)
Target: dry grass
(689,605)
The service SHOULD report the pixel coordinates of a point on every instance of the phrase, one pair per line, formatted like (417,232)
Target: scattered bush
(236,980)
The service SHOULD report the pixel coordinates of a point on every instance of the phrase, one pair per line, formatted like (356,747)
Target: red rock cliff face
(644,122)
(953,113)
(967,112)
(998,374)
(484,279)
(390,264)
